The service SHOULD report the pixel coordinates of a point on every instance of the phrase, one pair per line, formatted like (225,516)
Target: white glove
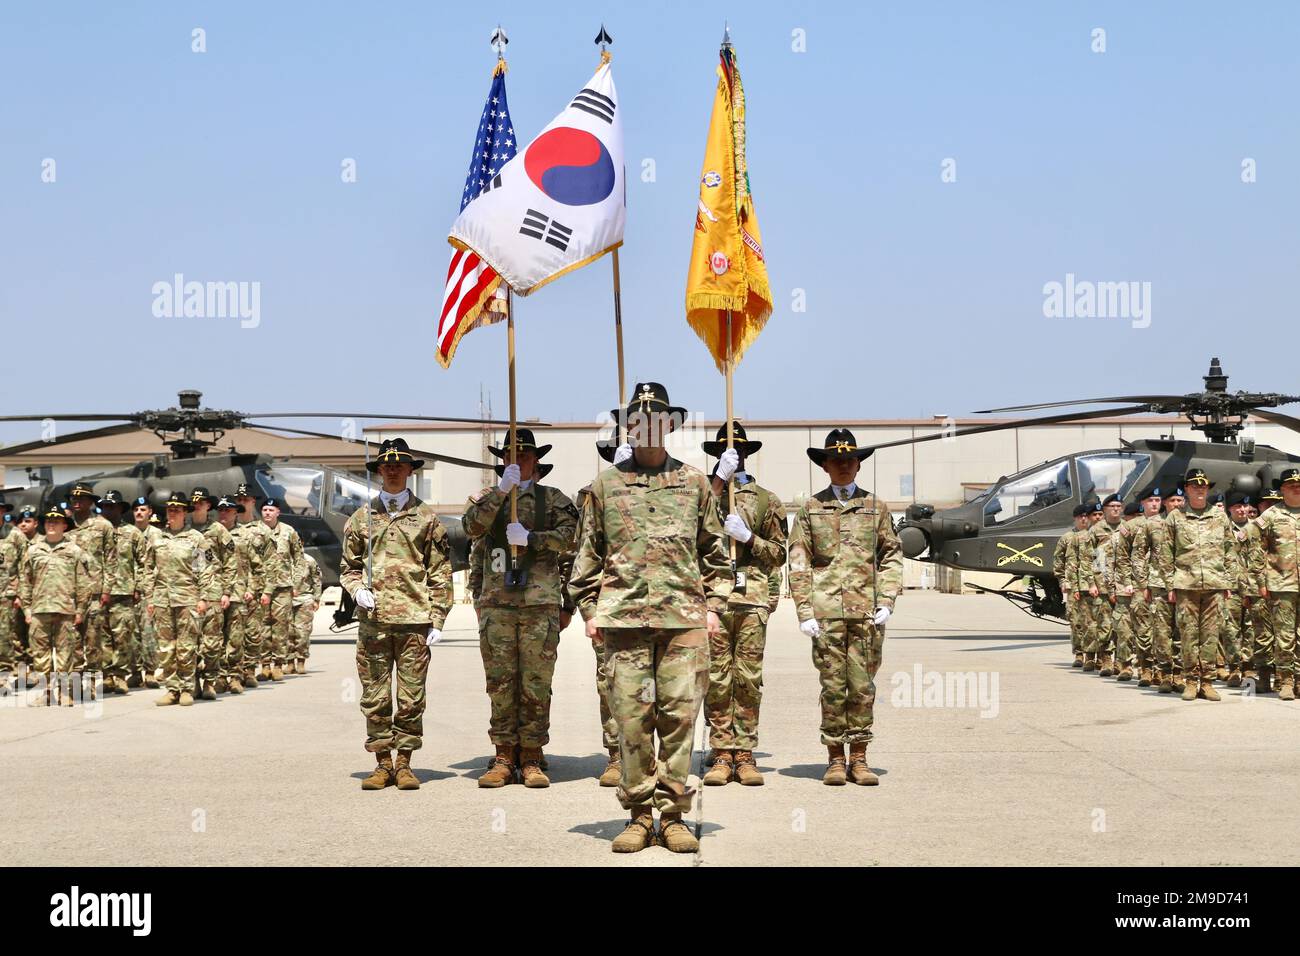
(516,534)
(365,598)
(509,478)
(623,453)
(882,615)
(810,628)
(728,464)
(736,527)
(433,637)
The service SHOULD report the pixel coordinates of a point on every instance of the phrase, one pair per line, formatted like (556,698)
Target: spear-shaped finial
(603,38)
(726,35)
(499,41)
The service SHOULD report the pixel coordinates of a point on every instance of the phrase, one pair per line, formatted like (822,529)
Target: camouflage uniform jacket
(184,570)
(57,578)
(651,551)
(1199,551)
(845,560)
(1131,559)
(281,558)
(308,588)
(1250,539)
(1079,558)
(95,537)
(252,538)
(1279,540)
(1060,557)
(12,549)
(412,568)
(123,567)
(1145,571)
(547,557)
(1103,542)
(762,556)
(222,544)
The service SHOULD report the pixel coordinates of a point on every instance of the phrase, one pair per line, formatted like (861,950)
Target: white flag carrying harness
(561,202)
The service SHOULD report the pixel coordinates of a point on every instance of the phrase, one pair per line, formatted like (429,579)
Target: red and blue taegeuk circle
(571,166)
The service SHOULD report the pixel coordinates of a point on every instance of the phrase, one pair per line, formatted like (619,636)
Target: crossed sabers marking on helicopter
(1024,555)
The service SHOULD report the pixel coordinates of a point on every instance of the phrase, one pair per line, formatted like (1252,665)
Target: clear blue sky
(922,296)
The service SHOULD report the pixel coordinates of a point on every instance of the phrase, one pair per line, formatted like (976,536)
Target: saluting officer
(520,604)
(757,525)
(846,570)
(396,567)
(185,584)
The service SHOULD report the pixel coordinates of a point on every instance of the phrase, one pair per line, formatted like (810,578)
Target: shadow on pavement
(608,829)
(814,771)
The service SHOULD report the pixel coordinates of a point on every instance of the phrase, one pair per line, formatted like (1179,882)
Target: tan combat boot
(746,770)
(1107,667)
(1191,686)
(637,834)
(300,665)
(1234,678)
(151,680)
(1144,677)
(277,673)
(209,691)
(169,699)
(613,772)
(187,698)
(1179,682)
(502,770)
(1264,683)
(134,680)
(406,779)
(859,772)
(530,768)
(235,685)
(264,674)
(250,680)
(675,835)
(1078,659)
(1125,673)
(720,773)
(382,775)
(1089,663)
(220,686)
(1286,688)
(1207,691)
(1221,672)
(836,774)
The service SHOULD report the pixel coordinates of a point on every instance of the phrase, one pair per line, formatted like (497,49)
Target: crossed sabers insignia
(1024,555)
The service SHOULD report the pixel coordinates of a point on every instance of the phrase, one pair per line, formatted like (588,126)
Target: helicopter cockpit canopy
(1109,472)
(298,487)
(1027,494)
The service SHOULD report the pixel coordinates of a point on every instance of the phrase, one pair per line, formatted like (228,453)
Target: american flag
(474,294)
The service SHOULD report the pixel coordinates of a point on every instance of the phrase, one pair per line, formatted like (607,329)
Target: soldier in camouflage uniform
(846,570)
(243,592)
(1065,545)
(1078,582)
(256,538)
(281,568)
(56,586)
(1237,639)
(396,567)
(185,582)
(1104,543)
(123,569)
(8,661)
(1279,540)
(1200,565)
(519,623)
(13,623)
(306,600)
(1147,581)
(93,534)
(757,529)
(1260,667)
(144,649)
(650,580)
(212,638)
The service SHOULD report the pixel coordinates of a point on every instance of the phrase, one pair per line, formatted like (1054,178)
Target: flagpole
(731,482)
(510,350)
(618,331)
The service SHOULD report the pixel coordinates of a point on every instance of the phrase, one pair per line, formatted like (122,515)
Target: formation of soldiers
(674,574)
(98,589)
(1179,590)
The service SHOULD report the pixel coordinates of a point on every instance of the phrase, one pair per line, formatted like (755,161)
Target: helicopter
(1013,526)
(319,498)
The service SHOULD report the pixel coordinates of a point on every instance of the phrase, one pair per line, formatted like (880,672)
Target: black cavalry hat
(81,488)
(1197,476)
(647,397)
(1288,474)
(743,445)
(394,449)
(178,500)
(227,501)
(56,511)
(840,443)
(201,493)
(524,441)
(112,498)
(243,491)
(1272,494)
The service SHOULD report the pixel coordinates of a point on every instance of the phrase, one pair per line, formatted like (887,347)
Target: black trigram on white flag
(541,226)
(597,104)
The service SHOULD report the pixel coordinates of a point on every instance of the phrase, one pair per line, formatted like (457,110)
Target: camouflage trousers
(178,645)
(119,634)
(657,682)
(383,649)
(608,726)
(212,642)
(1200,623)
(17,633)
(1074,613)
(736,679)
(303,619)
(1098,624)
(1236,630)
(232,660)
(278,624)
(10,651)
(1261,632)
(90,639)
(847,656)
(1162,628)
(1283,607)
(519,647)
(1143,625)
(144,647)
(1121,628)
(53,643)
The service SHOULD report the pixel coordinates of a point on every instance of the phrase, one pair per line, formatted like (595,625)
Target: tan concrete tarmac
(1049,766)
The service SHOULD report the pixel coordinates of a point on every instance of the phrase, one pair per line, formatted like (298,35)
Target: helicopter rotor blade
(400,418)
(1277,418)
(1143,399)
(105,432)
(447,459)
(89,417)
(1062,419)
